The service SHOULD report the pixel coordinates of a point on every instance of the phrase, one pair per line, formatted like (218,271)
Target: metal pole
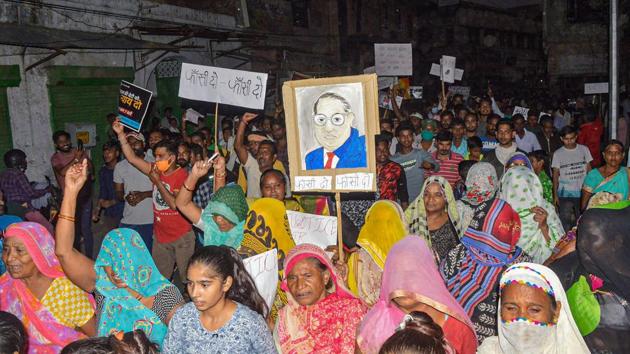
(613,93)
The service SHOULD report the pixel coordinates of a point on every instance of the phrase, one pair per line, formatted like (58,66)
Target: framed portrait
(331,123)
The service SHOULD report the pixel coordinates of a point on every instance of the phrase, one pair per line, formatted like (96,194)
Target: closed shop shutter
(6,141)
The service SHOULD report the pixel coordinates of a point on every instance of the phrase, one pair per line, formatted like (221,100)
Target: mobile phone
(216,154)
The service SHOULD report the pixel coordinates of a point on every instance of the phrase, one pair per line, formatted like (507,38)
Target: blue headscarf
(230,203)
(126,253)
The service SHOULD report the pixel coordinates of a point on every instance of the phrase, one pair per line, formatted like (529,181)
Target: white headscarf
(562,338)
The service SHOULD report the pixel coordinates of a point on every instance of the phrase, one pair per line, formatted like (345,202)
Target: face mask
(163,165)
(65,148)
(523,336)
(139,152)
(434,110)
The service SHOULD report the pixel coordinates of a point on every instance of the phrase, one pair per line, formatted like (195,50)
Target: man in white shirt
(525,140)
(136,189)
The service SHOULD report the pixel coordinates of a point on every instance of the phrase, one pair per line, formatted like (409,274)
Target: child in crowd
(474,149)
(538,158)
(226,312)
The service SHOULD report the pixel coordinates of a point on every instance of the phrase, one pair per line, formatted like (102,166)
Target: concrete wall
(29,104)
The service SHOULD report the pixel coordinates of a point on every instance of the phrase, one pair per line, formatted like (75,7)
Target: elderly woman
(411,282)
(434,217)
(267,228)
(384,226)
(321,316)
(534,315)
(541,228)
(130,292)
(223,219)
(54,311)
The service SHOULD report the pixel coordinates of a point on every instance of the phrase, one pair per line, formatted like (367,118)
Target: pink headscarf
(409,271)
(46,334)
(328,326)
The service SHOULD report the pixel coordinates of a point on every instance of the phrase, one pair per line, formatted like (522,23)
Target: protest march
(400,208)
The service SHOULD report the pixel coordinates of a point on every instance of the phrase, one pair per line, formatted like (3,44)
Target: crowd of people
(488,233)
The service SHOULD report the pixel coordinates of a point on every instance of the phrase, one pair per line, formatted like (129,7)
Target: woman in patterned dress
(54,311)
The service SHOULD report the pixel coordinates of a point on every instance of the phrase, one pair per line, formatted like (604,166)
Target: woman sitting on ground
(130,292)
(226,312)
(434,217)
(54,311)
(534,315)
(321,316)
(412,282)
(541,228)
(384,226)
(223,219)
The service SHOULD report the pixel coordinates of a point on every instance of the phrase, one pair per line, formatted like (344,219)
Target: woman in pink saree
(321,315)
(412,282)
(54,311)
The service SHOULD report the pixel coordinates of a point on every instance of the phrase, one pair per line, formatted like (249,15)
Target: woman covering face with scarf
(541,228)
(534,315)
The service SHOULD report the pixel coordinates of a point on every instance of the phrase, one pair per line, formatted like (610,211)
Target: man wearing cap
(136,190)
(341,144)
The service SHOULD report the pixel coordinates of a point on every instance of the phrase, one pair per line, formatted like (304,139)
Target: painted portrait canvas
(331,124)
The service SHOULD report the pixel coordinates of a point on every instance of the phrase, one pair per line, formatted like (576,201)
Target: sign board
(595,88)
(315,229)
(416,91)
(447,65)
(86,132)
(383,82)
(460,90)
(520,110)
(393,59)
(435,71)
(385,100)
(224,86)
(263,268)
(193,116)
(133,103)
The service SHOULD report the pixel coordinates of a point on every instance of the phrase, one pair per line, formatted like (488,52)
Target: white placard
(520,110)
(461,90)
(435,71)
(393,59)
(416,91)
(595,88)
(225,86)
(359,181)
(310,228)
(309,183)
(383,82)
(385,100)
(447,64)
(193,116)
(264,270)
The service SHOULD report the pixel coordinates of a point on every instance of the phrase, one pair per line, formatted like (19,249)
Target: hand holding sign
(263,268)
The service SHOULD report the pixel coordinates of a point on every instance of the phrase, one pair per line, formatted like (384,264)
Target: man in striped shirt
(447,160)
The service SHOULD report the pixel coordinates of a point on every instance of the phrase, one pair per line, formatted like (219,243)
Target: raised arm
(183,201)
(239,142)
(77,267)
(395,108)
(138,162)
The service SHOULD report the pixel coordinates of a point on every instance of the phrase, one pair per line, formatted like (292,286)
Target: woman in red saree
(321,316)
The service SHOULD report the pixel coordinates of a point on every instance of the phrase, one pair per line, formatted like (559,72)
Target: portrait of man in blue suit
(341,145)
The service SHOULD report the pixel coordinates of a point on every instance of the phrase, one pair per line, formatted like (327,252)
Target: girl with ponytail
(226,314)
